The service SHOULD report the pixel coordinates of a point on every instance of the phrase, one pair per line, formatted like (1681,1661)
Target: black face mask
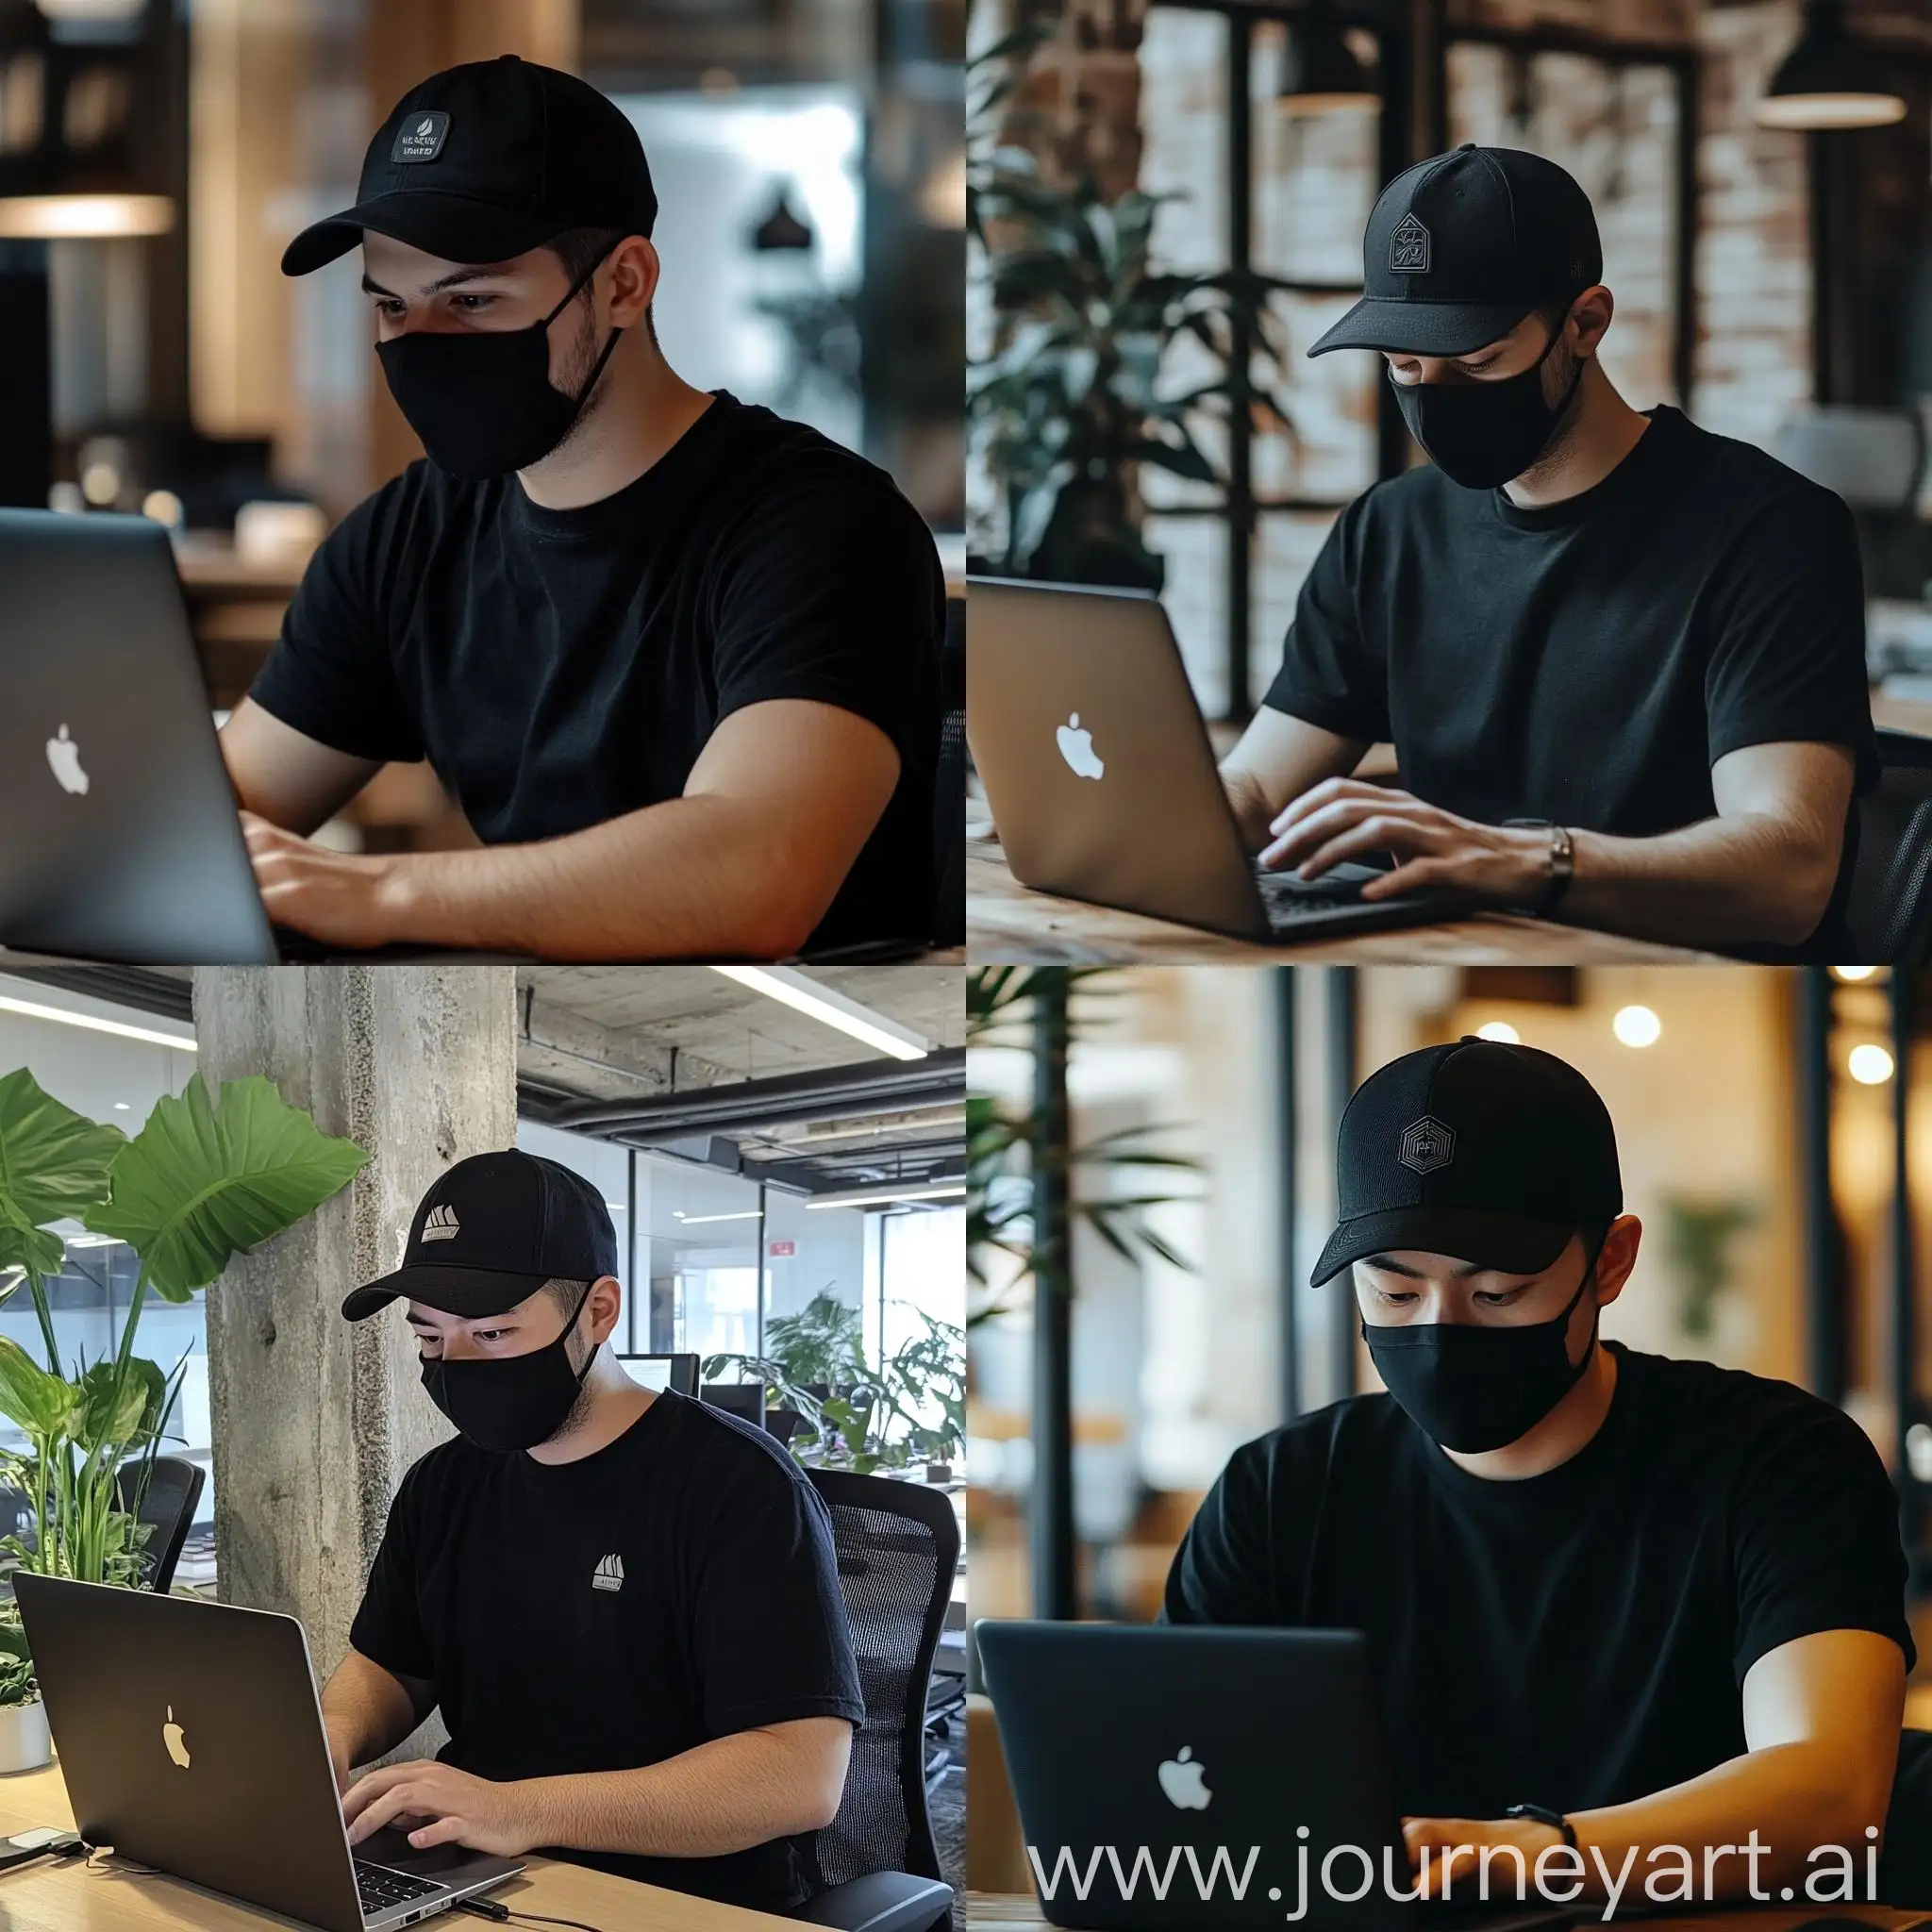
(1481,434)
(481,400)
(1474,1388)
(510,1402)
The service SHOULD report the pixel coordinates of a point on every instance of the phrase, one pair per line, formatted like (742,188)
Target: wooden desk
(67,1897)
(1022,1914)
(1007,922)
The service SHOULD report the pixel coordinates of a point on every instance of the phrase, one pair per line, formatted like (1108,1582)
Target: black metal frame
(1403,136)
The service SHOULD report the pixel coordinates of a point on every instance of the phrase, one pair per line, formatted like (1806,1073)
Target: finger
(1401,836)
(371,1784)
(387,1807)
(1327,793)
(1306,836)
(444,1831)
(1411,877)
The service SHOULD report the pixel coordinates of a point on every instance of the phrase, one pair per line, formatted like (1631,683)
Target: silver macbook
(1102,784)
(190,1739)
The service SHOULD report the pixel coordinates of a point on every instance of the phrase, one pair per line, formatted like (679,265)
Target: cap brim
(451,226)
(1421,328)
(465,1292)
(1508,1243)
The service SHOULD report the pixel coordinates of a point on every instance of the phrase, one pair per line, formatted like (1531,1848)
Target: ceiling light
(1829,79)
(92,1240)
(804,994)
(692,1220)
(83,217)
(27,1009)
(1869,1065)
(1501,1032)
(1322,72)
(122,1107)
(1852,974)
(949,1190)
(1637,1026)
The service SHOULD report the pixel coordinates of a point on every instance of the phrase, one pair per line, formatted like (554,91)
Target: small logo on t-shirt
(1427,1144)
(1408,248)
(440,1224)
(422,139)
(609,1574)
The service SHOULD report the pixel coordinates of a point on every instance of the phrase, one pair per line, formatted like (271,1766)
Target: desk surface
(1021,1913)
(67,1897)
(1007,922)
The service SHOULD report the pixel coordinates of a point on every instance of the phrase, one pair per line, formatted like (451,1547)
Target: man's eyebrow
(1389,1265)
(420,1320)
(455,280)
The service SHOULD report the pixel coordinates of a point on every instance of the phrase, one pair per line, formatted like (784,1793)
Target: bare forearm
(693,876)
(1786,1800)
(366,1711)
(1750,879)
(722,1796)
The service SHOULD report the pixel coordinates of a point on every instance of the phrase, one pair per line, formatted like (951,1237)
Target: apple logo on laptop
(1181,1782)
(64,756)
(173,1738)
(1076,747)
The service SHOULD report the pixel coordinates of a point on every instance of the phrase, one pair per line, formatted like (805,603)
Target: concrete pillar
(316,1419)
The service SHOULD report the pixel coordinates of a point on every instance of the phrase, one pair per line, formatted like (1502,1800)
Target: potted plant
(210,1176)
(23,1741)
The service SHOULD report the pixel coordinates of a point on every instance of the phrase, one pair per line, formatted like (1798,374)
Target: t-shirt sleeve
(1222,1572)
(330,676)
(1331,676)
(769,1625)
(1788,662)
(1815,1539)
(388,1629)
(835,594)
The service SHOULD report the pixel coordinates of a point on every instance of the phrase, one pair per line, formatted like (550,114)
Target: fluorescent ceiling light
(804,994)
(28,1010)
(83,217)
(92,1240)
(692,1220)
(947,1190)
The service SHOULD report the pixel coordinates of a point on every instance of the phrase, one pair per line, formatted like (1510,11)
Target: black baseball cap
(490,1232)
(1493,1153)
(1461,247)
(482,162)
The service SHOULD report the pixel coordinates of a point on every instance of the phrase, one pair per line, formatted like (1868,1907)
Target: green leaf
(53,1166)
(205,1180)
(30,1398)
(111,1417)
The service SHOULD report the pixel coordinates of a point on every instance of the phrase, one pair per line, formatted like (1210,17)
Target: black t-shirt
(1589,662)
(561,668)
(1579,1637)
(677,1586)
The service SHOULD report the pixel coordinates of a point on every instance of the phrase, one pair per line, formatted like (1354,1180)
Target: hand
(341,898)
(437,1804)
(1345,817)
(1465,1838)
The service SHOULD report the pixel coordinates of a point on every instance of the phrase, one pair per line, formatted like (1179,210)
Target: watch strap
(1544,1815)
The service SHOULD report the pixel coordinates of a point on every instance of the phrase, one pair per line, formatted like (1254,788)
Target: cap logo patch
(422,140)
(440,1224)
(1427,1144)
(1408,248)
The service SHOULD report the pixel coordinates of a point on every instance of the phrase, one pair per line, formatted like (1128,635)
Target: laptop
(190,1739)
(119,838)
(1103,783)
(1165,1776)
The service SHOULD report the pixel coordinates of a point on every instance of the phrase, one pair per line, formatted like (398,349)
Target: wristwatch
(1562,863)
(1544,1815)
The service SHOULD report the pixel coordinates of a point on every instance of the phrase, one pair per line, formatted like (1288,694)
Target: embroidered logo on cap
(440,1224)
(1427,1144)
(1408,248)
(422,140)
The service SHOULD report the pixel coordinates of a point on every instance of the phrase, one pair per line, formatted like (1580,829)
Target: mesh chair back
(898,1547)
(173,1489)
(1890,909)
(949,798)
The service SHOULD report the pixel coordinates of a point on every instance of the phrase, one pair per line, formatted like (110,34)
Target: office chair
(1891,909)
(174,1487)
(898,1546)
(949,802)
(745,1400)
(783,1423)
(1904,1867)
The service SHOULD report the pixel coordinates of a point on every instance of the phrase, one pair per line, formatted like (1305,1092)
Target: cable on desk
(489,1908)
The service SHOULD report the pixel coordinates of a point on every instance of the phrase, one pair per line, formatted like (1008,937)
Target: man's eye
(1499,1297)
(470,305)
(1396,1297)
(492,1334)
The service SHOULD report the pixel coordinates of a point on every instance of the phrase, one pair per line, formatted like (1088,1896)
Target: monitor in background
(676,1373)
(745,1400)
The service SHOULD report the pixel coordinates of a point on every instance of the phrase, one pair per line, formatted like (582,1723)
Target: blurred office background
(1770,248)
(155,156)
(1775,1135)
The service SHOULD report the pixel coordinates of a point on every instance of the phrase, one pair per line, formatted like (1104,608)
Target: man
(1621,660)
(625,1606)
(1613,1601)
(675,658)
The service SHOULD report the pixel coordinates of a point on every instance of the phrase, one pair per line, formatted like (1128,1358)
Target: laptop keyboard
(379,1888)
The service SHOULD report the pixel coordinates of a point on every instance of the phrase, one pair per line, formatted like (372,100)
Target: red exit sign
(781,1250)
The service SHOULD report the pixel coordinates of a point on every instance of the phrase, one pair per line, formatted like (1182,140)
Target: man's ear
(603,1308)
(633,268)
(1590,319)
(1617,1257)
